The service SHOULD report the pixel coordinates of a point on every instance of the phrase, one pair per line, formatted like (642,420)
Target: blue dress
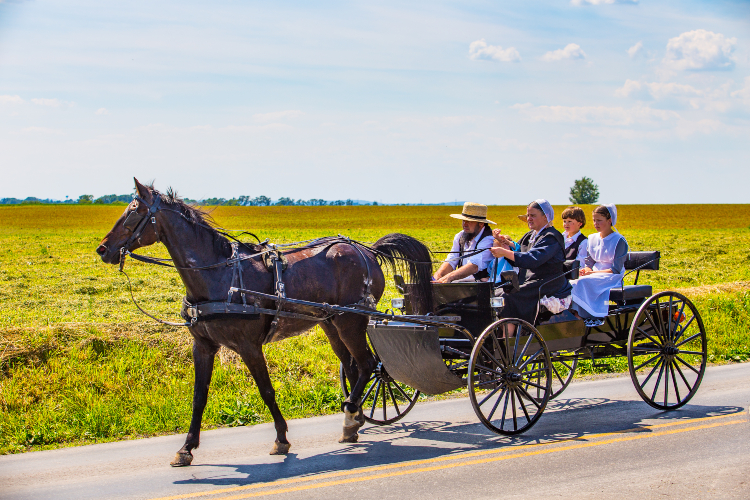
(591,292)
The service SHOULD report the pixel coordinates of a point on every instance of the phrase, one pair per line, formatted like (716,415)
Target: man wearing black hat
(462,263)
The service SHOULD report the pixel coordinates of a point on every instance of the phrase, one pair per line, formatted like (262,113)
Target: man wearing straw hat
(462,264)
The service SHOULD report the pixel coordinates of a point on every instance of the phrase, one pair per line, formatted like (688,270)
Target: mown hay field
(79,364)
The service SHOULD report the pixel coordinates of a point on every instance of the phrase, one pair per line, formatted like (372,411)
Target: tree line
(243,201)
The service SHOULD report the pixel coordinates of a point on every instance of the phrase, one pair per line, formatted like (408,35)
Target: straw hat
(475,212)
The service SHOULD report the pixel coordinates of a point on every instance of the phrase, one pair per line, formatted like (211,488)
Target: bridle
(136,223)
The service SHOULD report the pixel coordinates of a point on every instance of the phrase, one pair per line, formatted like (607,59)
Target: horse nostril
(101,250)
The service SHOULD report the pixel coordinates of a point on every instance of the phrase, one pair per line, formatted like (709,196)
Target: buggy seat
(635,293)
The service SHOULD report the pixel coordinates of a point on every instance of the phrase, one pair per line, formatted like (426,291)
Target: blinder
(136,222)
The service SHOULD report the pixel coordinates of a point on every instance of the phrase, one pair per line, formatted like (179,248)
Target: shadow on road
(564,419)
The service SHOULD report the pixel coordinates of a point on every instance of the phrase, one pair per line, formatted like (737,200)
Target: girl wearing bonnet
(605,263)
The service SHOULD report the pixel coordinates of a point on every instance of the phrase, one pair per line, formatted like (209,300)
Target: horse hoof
(280,448)
(348,437)
(182,459)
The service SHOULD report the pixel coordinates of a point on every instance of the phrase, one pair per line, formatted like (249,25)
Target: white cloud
(53,103)
(601,2)
(603,115)
(277,115)
(700,50)
(656,90)
(635,50)
(571,51)
(10,99)
(42,130)
(480,50)
(102,111)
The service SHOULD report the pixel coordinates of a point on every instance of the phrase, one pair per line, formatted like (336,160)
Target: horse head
(137,227)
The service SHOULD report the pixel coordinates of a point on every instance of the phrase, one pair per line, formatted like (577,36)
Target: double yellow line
(458,460)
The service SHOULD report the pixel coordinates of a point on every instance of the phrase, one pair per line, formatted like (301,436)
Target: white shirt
(582,248)
(481,260)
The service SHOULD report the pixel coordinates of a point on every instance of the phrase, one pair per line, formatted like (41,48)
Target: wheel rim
(509,359)
(667,350)
(384,400)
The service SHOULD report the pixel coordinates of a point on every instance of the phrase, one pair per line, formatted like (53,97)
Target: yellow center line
(459,456)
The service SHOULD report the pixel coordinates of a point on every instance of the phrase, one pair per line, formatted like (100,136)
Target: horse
(332,271)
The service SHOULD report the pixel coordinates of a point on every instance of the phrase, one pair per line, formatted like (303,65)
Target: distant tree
(284,202)
(584,192)
(375,203)
(349,202)
(86,199)
(244,200)
(261,201)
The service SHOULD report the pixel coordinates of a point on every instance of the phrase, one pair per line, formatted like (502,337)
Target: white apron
(591,292)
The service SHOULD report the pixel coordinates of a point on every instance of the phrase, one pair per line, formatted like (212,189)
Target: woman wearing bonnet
(605,264)
(539,259)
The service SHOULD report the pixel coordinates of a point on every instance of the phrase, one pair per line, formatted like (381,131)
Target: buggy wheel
(509,358)
(563,371)
(667,350)
(384,400)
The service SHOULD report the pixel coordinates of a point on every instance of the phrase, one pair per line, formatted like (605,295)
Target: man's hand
(585,271)
(445,279)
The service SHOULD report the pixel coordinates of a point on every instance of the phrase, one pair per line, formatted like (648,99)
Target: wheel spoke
(532,372)
(375,399)
(529,359)
(513,409)
(688,340)
(385,402)
(646,363)
(669,324)
(489,382)
(494,408)
(369,390)
(674,380)
(643,332)
(687,384)
(406,396)
(492,393)
(653,325)
(532,384)
(528,396)
(523,407)
(526,346)
(492,357)
(505,409)
(684,327)
(692,352)
(652,372)
(554,369)
(646,349)
(686,364)
(496,344)
(658,381)
(515,347)
(666,384)
(487,369)
(393,399)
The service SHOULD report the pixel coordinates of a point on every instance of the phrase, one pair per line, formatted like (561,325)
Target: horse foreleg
(203,360)
(253,357)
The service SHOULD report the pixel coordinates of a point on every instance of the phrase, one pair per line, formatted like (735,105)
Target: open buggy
(511,368)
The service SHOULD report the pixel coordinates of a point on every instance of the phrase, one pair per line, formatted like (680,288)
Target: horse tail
(404,253)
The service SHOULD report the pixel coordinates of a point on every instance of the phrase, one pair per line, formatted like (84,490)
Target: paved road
(599,438)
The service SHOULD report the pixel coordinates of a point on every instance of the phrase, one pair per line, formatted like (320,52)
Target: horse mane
(197,217)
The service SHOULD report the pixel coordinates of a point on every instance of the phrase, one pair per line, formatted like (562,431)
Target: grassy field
(79,364)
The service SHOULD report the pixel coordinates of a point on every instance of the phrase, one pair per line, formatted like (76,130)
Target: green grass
(79,364)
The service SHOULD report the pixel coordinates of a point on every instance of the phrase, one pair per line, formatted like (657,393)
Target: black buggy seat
(635,293)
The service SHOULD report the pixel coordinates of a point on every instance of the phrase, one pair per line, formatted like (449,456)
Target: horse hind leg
(253,357)
(348,340)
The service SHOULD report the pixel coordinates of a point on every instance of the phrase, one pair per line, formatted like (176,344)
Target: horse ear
(143,191)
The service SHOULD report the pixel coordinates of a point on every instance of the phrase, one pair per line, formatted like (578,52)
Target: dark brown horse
(335,272)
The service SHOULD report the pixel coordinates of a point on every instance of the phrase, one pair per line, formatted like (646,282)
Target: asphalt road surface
(598,439)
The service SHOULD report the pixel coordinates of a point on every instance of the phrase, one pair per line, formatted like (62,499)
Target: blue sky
(496,102)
